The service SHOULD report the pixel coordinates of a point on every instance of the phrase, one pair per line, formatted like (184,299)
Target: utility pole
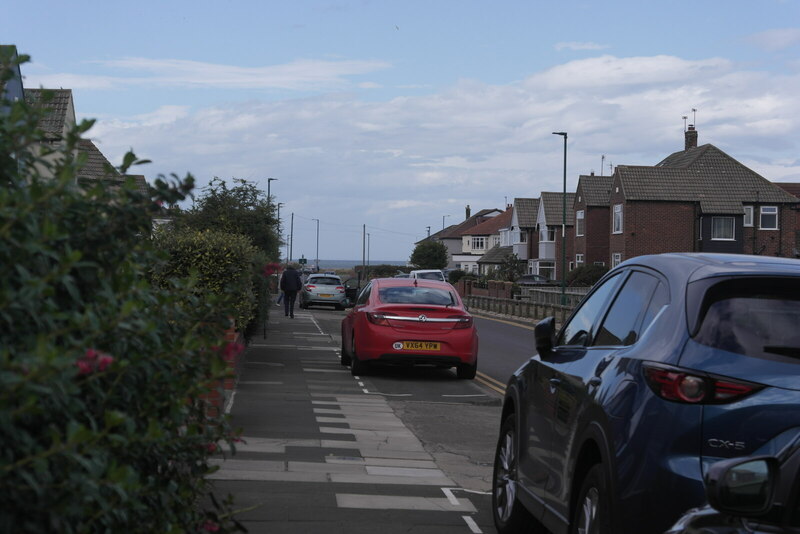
(316,264)
(291,238)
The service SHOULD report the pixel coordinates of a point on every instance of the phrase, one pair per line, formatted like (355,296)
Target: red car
(409,321)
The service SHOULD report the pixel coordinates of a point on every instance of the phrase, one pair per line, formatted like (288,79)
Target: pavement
(324,452)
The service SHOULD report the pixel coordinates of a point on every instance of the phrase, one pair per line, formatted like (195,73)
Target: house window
(523,236)
(722,228)
(478,242)
(617,228)
(616,259)
(546,269)
(578,260)
(547,234)
(769,218)
(748,215)
(579,222)
(495,240)
(599,263)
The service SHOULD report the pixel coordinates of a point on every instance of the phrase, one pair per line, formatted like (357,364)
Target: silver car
(323,289)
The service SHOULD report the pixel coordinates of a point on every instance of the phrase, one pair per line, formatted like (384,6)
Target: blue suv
(671,363)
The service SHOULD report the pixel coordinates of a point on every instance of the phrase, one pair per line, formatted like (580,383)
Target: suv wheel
(591,515)
(510,516)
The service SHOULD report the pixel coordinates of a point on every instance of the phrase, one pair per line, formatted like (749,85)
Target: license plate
(325,295)
(421,345)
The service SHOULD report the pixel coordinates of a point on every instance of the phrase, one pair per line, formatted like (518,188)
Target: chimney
(691,137)
(468,211)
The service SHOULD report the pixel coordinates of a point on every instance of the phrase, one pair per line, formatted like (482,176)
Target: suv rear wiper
(783,350)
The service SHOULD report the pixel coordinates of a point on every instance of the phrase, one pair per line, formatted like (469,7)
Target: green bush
(586,275)
(102,423)
(456,275)
(222,264)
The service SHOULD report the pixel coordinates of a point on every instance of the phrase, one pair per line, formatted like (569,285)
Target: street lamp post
(443,216)
(317,258)
(269,196)
(564,226)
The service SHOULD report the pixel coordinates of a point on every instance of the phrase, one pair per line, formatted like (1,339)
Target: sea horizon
(349,264)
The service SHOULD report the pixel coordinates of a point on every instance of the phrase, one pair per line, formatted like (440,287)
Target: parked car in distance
(749,495)
(402,275)
(671,363)
(323,289)
(428,274)
(534,280)
(407,321)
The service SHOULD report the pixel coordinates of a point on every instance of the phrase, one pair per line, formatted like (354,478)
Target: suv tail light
(680,385)
(378,319)
(464,321)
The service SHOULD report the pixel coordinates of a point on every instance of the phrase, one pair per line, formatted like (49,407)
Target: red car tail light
(378,319)
(309,287)
(679,385)
(462,321)
(340,289)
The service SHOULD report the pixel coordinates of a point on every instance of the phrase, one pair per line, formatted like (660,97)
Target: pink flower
(84,367)
(104,361)
(210,526)
(93,360)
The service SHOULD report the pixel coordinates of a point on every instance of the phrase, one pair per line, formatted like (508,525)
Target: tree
(511,268)
(102,373)
(429,255)
(241,209)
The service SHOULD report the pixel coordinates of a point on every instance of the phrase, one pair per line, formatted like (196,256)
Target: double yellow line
(491,383)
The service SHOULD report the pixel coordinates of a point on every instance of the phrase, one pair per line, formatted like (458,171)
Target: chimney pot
(468,211)
(691,137)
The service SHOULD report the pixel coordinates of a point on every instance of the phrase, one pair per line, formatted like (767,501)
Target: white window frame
(478,242)
(523,236)
(578,259)
(748,216)
(546,232)
(616,259)
(580,222)
(767,210)
(617,219)
(731,220)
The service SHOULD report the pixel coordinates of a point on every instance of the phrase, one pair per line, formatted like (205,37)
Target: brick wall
(597,231)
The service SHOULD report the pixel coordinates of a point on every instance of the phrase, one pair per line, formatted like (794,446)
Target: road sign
(302,261)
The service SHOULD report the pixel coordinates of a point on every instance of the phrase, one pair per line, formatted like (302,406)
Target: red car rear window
(416,295)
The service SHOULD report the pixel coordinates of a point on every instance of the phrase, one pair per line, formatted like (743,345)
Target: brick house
(524,237)
(591,212)
(794,190)
(490,233)
(550,223)
(698,200)
(453,240)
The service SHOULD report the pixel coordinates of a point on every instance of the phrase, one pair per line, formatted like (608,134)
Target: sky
(390,117)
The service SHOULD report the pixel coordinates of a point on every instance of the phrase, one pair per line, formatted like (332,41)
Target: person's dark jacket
(290,281)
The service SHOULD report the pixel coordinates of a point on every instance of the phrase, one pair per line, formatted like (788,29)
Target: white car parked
(429,274)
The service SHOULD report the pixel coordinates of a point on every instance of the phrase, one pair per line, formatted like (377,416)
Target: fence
(533,303)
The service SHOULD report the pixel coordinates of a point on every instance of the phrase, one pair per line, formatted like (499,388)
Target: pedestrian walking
(290,285)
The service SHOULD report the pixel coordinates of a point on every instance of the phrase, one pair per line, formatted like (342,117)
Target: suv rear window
(325,281)
(753,316)
(416,295)
(431,276)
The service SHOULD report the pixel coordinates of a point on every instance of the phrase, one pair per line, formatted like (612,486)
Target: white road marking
(261,382)
(450,497)
(398,502)
(473,526)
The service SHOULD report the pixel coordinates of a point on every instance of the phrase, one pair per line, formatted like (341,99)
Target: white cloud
(403,163)
(575,45)
(298,75)
(776,39)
